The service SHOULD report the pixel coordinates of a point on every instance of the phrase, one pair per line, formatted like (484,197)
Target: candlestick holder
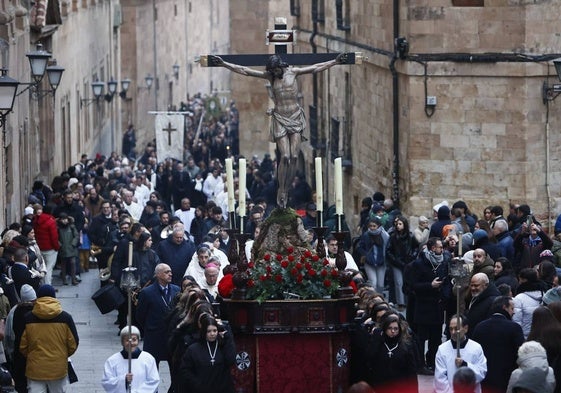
(320,236)
(345,277)
(339,218)
(233,253)
(242,239)
(232,219)
(319,218)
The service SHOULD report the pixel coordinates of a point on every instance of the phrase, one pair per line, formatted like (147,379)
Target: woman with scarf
(205,367)
(144,258)
(372,250)
(143,376)
(391,361)
(402,249)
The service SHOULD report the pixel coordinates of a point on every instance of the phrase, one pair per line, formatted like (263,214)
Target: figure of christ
(288,120)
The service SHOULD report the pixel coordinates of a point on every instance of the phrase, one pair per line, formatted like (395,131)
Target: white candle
(230,184)
(241,182)
(338,184)
(319,184)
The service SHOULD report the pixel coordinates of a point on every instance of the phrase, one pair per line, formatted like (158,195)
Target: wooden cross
(280,37)
(169,130)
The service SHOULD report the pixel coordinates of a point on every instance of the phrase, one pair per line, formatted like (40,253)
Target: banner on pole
(169,135)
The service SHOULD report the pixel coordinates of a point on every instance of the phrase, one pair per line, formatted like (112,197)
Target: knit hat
(439,205)
(376,207)
(531,380)
(27,293)
(530,352)
(423,219)
(552,295)
(479,234)
(46,290)
(27,211)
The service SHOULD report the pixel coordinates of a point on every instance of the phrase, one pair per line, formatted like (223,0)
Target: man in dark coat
(500,338)
(432,288)
(154,304)
(101,235)
(72,208)
(479,303)
(176,251)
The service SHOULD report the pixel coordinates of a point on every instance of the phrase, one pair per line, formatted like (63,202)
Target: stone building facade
(45,134)
(490,139)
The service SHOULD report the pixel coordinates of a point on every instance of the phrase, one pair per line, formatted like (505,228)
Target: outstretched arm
(238,69)
(318,67)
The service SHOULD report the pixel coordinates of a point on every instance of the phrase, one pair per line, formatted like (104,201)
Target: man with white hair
(143,376)
(504,239)
(134,209)
(478,304)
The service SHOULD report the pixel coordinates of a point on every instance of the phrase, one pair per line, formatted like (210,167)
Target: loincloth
(283,125)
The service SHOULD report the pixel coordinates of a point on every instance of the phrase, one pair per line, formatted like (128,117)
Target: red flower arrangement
(291,276)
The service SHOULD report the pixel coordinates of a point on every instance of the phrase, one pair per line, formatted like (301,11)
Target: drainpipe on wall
(395,92)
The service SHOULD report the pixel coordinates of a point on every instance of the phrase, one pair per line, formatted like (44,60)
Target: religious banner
(169,135)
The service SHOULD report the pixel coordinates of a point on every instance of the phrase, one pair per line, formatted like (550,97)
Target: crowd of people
(491,282)
(175,212)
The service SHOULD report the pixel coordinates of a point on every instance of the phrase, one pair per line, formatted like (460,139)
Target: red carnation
(307,253)
(312,272)
(325,262)
(278,278)
(267,257)
(315,258)
(291,258)
(290,250)
(294,271)
(263,277)
(334,273)
(299,278)
(269,269)
(323,272)
(226,286)
(250,283)
(279,257)
(308,265)
(298,265)
(327,283)
(284,264)
(302,258)
(251,265)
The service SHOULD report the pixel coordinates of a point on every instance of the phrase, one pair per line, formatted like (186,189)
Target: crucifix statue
(169,130)
(288,119)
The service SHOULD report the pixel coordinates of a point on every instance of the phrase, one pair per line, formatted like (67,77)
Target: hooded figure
(531,354)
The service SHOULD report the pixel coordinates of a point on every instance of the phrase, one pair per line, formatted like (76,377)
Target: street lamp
(39,64)
(148,80)
(176,71)
(112,89)
(549,93)
(8,89)
(97,89)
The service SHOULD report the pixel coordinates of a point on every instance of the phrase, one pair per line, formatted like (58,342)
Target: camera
(529,220)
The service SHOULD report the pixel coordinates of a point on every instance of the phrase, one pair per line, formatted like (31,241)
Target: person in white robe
(144,376)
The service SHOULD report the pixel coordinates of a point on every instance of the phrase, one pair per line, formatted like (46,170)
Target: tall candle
(241,192)
(319,184)
(230,184)
(338,184)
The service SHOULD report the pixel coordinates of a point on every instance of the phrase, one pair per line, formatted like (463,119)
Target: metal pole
(129,324)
